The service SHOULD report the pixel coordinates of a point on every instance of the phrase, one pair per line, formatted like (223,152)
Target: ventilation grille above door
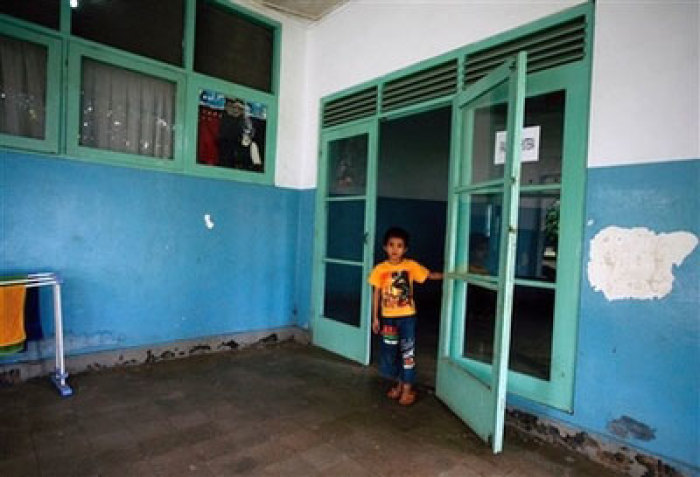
(351,107)
(431,83)
(558,45)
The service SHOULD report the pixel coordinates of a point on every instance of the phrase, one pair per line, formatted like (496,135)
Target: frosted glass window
(126,111)
(22,88)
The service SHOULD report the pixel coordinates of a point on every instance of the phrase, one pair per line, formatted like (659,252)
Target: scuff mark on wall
(625,427)
(208,222)
(636,263)
(77,342)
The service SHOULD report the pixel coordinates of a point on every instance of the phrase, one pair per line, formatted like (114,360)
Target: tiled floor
(288,409)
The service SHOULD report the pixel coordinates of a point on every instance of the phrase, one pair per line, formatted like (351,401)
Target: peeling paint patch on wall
(636,263)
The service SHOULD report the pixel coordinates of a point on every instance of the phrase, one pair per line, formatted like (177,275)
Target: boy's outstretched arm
(435,276)
(375,310)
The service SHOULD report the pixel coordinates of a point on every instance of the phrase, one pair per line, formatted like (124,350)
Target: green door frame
(558,391)
(349,341)
(574,79)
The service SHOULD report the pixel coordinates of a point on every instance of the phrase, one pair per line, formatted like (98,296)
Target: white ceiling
(309,9)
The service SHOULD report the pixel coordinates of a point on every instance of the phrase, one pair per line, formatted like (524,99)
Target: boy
(393,287)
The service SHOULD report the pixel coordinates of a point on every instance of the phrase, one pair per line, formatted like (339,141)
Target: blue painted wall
(304,257)
(139,264)
(641,358)
(141,268)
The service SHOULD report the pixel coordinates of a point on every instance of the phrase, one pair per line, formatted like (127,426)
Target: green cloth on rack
(12,349)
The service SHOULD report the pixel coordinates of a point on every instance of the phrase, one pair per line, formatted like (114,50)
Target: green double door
(483,176)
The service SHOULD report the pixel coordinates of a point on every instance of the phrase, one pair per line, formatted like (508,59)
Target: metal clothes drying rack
(35,280)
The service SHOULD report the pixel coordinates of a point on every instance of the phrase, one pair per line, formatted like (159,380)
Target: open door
(344,236)
(481,245)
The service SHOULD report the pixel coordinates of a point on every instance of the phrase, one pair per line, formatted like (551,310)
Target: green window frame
(63,98)
(200,82)
(77,52)
(52,42)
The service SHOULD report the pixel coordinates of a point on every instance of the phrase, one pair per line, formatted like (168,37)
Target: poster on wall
(529,141)
(231,132)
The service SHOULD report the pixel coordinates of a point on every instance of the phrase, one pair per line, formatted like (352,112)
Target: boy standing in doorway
(392,281)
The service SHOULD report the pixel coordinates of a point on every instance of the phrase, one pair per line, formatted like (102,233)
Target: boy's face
(395,249)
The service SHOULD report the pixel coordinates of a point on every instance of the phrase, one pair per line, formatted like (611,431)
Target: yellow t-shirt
(395,283)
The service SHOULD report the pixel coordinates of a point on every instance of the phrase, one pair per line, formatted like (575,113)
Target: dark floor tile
(294,466)
(25,465)
(180,462)
(14,444)
(285,410)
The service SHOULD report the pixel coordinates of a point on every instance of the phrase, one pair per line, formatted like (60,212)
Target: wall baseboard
(611,454)
(13,373)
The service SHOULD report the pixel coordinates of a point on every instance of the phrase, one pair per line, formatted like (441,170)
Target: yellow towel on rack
(12,315)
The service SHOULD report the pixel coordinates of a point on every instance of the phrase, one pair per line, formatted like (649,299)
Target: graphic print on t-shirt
(398,292)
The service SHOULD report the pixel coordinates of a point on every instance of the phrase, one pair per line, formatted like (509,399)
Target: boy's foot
(408,397)
(394,392)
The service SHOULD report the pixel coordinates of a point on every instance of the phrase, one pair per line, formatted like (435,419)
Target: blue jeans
(398,348)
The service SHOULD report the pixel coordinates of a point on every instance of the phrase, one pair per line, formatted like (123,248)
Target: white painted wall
(366,39)
(645,90)
(645,93)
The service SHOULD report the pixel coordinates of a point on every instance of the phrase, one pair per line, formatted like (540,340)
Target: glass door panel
(347,166)
(543,139)
(538,236)
(532,328)
(488,138)
(346,230)
(480,222)
(343,293)
(479,323)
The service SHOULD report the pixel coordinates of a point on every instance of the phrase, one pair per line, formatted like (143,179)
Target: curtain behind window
(22,88)
(125,111)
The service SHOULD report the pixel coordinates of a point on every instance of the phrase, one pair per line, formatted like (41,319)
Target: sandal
(395,392)
(407,398)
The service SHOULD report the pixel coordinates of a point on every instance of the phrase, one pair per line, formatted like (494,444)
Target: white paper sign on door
(530,145)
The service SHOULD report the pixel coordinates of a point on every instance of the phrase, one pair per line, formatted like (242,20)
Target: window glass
(538,236)
(152,28)
(346,230)
(233,48)
(22,88)
(43,12)
(488,156)
(343,293)
(125,111)
(231,132)
(541,140)
(480,217)
(531,333)
(347,165)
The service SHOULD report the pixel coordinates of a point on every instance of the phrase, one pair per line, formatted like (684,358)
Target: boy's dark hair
(396,232)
